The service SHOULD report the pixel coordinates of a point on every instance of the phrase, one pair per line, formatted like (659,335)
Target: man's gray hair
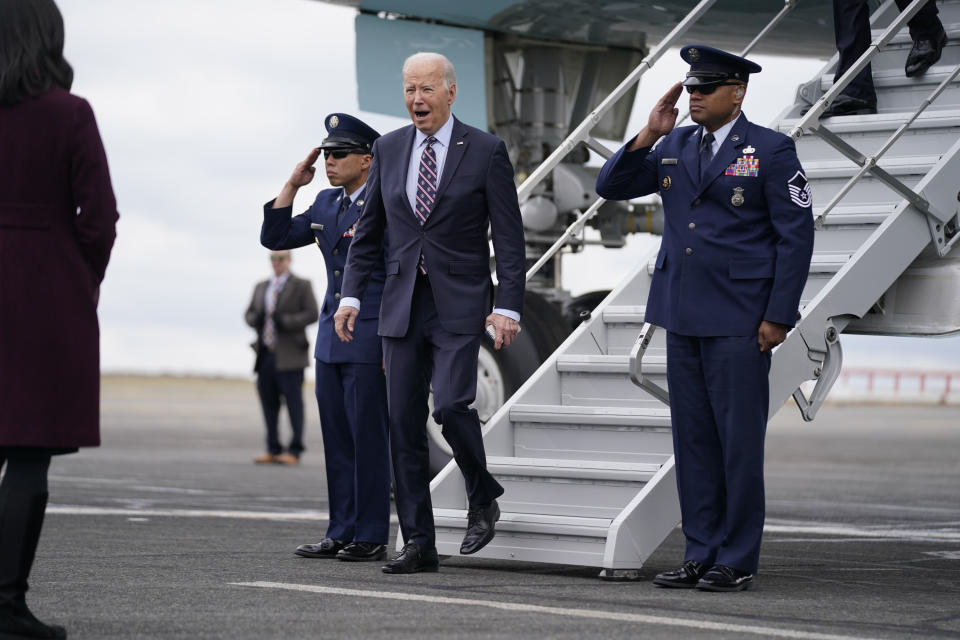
(449,73)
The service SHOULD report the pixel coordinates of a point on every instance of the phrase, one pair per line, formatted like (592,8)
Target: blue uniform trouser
(352,400)
(719,401)
(851,26)
(272,385)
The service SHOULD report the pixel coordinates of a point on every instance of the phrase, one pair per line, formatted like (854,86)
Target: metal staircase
(585,455)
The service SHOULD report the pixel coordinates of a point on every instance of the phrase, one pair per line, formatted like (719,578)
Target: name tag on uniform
(668,161)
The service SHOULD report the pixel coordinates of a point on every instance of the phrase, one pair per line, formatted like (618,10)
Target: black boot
(21,519)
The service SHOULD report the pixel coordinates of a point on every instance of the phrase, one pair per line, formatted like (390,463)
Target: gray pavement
(170,531)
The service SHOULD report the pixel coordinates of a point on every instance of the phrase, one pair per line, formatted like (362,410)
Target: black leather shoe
(924,53)
(723,578)
(363,552)
(414,559)
(686,577)
(21,623)
(326,548)
(849,106)
(480,527)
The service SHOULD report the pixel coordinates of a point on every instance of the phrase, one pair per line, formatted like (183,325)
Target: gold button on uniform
(689,251)
(692,226)
(336,274)
(336,296)
(696,202)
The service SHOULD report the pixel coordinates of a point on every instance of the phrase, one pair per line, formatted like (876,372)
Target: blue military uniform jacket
(280,231)
(737,245)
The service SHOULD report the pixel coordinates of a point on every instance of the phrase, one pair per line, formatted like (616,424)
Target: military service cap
(709,66)
(346,133)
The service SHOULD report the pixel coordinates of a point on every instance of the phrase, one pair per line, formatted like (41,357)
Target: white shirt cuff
(349,302)
(513,315)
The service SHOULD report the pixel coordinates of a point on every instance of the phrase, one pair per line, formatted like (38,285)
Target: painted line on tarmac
(187,513)
(702,625)
(945,534)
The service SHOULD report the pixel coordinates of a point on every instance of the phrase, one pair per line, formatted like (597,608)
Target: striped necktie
(426,187)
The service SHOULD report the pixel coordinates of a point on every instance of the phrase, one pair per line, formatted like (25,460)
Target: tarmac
(170,531)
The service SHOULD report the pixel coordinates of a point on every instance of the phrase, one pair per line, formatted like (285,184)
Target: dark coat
(281,231)
(57,226)
(736,246)
(476,191)
(296,309)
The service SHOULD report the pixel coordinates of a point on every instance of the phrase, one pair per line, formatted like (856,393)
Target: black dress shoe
(723,578)
(363,552)
(414,559)
(686,577)
(924,53)
(19,622)
(849,106)
(480,527)
(326,548)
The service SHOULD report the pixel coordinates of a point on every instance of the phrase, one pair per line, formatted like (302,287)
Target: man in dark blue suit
(737,242)
(350,385)
(435,188)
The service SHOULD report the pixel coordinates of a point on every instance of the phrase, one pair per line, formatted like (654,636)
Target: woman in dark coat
(57,226)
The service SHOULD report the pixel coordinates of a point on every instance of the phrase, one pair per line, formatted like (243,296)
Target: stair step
(883,122)
(530,537)
(535,523)
(844,168)
(595,470)
(613,416)
(895,78)
(829,262)
(842,215)
(575,363)
(624,314)
(568,487)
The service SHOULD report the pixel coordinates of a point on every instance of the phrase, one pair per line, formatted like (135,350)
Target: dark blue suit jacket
(280,231)
(476,190)
(736,248)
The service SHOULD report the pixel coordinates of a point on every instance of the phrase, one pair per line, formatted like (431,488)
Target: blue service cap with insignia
(346,133)
(709,66)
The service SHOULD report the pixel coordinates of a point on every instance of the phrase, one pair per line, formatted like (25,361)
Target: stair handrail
(869,164)
(811,120)
(871,161)
(788,6)
(582,132)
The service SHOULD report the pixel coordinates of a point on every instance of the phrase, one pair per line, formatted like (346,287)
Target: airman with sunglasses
(350,384)
(737,242)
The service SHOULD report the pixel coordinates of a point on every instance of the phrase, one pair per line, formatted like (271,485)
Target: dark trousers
(719,401)
(272,385)
(352,399)
(851,27)
(429,353)
(23,500)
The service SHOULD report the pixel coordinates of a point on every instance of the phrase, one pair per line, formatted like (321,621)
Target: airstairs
(585,453)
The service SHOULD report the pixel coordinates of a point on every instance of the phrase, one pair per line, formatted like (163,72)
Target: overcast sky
(205,106)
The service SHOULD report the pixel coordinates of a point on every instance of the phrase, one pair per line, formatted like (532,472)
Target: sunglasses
(339,154)
(707,89)
(278,258)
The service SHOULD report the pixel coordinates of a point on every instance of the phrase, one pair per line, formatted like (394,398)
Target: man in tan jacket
(280,310)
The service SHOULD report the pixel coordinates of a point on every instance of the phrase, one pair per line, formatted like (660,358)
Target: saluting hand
(663,116)
(770,335)
(343,322)
(303,173)
(505,329)
(662,119)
